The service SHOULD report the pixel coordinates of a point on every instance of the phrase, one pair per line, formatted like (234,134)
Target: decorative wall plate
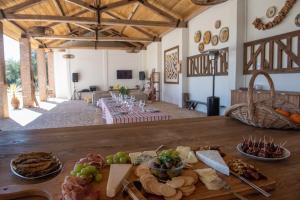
(271,12)
(297,20)
(201,47)
(197,36)
(207,37)
(218,24)
(224,34)
(215,40)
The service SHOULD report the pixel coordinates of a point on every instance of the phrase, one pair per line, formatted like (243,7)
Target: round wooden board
(224,34)
(215,40)
(207,37)
(198,36)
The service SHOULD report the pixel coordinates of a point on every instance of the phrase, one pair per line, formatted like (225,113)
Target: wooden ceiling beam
(131,15)
(83,5)
(89,20)
(84,27)
(22,6)
(61,12)
(101,45)
(77,14)
(89,38)
(158,11)
(116,5)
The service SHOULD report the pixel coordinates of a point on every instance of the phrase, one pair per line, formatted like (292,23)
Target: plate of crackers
(35,165)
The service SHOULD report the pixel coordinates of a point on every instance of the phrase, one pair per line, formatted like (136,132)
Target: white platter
(286,154)
(37,177)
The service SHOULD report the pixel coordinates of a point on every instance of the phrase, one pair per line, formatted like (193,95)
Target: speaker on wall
(142,76)
(75,77)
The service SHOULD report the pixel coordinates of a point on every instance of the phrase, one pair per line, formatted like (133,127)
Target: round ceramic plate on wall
(297,20)
(201,47)
(271,12)
(215,40)
(224,34)
(207,37)
(197,36)
(218,24)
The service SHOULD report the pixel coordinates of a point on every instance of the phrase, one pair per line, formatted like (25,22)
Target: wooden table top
(70,144)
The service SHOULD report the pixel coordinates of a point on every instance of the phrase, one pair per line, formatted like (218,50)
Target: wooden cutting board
(201,193)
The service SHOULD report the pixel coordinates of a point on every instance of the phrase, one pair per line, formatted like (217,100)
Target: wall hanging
(197,36)
(171,63)
(215,40)
(297,20)
(218,24)
(260,25)
(201,47)
(271,12)
(207,37)
(224,34)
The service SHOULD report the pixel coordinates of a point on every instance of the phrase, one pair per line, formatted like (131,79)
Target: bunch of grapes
(87,171)
(118,158)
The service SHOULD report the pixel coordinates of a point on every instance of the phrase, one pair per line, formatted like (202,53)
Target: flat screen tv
(124,74)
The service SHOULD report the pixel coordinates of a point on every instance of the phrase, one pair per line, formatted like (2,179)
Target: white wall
(96,67)
(201,87)
(153,58)
(285,82)
(172,93)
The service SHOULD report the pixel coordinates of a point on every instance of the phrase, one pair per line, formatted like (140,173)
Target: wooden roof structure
(117,24)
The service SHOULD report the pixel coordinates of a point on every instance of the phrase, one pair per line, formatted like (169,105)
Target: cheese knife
(260,190)
(130,189)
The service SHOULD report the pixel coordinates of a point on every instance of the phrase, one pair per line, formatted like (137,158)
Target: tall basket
(262,113)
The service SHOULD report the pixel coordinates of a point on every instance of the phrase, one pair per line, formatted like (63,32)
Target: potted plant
(14,100)
(123,91)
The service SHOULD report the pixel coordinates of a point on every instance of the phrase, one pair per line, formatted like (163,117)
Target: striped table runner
(112,113)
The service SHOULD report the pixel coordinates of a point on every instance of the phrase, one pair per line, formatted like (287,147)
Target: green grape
(91,169)
(109,157)
(98,178)
(121,154)
(78,174)
(83,176)
(123,160)
(116,159)
(85,171)
(109,161)
(78,167)
(73,173)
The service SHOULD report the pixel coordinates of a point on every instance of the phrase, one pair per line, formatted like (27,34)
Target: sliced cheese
(210,179)
(191,158)
(134,157)
(117,173)
(213,159)
(140,157)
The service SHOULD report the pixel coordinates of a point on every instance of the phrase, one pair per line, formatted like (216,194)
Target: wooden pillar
(42,74)
(51,81)
(3,86)
(26,72)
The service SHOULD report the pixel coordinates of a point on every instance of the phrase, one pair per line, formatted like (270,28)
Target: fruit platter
(172,174)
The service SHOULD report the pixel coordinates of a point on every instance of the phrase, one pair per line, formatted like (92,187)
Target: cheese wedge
(186,154)
(117,173)
(213,159)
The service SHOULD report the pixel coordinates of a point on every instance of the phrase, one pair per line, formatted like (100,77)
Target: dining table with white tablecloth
(115,113)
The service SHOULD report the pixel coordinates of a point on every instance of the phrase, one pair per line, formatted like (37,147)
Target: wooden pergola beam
(116,5)
(158,10)
(130,16)
(22,6)
(89,38)
(61,12)
(77,14)
(83,4)
(89,20)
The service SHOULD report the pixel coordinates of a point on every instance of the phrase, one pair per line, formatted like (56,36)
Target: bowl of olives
(167,165)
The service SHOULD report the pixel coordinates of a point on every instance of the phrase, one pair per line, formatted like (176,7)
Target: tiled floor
(57,113)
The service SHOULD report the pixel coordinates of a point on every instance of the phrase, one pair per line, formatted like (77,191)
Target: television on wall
(124,74)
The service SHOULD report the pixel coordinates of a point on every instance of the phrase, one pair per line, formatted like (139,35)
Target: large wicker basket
(262,113)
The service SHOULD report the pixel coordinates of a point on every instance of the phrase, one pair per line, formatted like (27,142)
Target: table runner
(110,112)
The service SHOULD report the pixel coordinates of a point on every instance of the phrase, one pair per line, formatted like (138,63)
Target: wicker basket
(262,113)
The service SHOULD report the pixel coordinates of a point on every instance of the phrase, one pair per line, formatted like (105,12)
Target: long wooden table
(70,144)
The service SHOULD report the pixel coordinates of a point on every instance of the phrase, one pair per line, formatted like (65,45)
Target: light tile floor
(58,113)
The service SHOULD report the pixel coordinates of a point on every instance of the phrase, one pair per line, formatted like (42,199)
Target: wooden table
(70,144)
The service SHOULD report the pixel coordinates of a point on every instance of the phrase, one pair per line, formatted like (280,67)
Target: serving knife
(130,189)
(260,190)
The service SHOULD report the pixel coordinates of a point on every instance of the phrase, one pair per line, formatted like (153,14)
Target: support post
(26,72)
(3,86)
(42,74)
(51,80)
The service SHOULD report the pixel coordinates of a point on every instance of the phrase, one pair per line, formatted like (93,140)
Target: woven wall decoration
(260,25)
